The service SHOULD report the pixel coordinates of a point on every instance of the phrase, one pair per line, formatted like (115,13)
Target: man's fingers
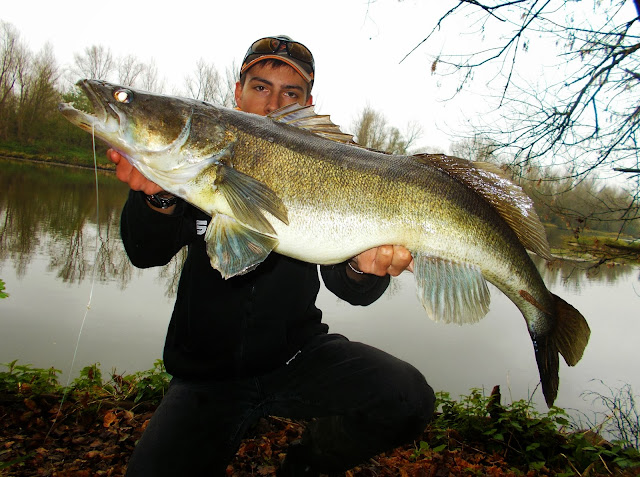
(385,259)
(395,259)
(128,174)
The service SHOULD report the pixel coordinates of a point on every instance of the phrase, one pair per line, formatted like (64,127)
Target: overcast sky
(357,47)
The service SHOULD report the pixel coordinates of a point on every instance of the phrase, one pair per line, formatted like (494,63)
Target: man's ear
(238,94)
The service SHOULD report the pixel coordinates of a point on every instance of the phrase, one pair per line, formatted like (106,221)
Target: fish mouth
(105,118)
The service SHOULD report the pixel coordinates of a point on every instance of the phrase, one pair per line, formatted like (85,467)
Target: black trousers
(367,401)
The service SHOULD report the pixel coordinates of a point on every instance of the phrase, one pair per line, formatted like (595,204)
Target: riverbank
(102,162)
(91,428)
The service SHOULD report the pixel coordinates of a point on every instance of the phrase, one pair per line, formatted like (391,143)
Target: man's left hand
(384,260)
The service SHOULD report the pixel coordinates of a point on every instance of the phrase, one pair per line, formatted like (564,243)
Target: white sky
(357,47)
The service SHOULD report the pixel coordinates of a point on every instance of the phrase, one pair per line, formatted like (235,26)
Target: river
(59,272)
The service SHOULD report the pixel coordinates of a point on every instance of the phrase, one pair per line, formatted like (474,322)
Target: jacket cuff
(357,292)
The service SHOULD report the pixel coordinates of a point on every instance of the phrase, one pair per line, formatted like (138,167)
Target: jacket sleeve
(151,238)
(363,292)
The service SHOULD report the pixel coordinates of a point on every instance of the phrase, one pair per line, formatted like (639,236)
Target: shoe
(297,463)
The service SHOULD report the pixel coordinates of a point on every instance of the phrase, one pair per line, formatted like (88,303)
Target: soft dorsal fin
(508,199)
(305,117)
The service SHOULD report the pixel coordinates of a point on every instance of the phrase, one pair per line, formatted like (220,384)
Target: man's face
(267,88)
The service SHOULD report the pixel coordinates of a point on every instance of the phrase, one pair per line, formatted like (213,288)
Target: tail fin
(572,332)
(569,338)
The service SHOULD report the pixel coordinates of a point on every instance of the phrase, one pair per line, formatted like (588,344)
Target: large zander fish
(293,183)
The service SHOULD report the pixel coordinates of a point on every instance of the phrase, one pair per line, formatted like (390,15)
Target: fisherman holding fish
(254,345)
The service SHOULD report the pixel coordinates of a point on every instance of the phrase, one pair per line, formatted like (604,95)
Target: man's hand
(384,260)
(130,175)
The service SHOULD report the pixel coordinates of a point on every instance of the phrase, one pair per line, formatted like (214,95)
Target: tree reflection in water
(51,210)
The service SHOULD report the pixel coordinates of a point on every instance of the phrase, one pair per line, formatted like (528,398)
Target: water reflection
(51,210)
(575,274)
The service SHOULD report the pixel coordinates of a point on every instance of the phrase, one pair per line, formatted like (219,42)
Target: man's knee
(418,401)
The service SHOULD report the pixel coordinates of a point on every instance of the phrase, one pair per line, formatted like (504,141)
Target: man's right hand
(130,175)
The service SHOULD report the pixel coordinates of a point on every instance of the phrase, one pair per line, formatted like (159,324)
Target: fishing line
(93,282)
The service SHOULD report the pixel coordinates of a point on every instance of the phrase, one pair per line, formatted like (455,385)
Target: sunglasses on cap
(276,47)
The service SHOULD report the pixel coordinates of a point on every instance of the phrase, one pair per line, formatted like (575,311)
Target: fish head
(153,131)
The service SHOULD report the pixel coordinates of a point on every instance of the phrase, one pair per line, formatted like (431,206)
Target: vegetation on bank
(597,247)
(90,428)
(80,156)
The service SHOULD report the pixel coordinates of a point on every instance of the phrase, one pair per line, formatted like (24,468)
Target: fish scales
(365,180)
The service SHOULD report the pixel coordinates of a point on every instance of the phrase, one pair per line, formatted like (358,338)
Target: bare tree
(129,69)
(13,60)
(477,148)
(586,116)
(231,77)
(149,80)
(372,130)
(586,120)
(12,53)
(207,84)
(96,63)
(38,94)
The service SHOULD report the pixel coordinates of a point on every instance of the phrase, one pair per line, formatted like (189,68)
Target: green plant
(143,386)
(520,435)
(3,294)
(90,379)
(516,431)
(23,378)
(149,385)
(622,417)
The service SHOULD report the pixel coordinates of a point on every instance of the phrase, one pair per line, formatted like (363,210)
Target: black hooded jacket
(246,325)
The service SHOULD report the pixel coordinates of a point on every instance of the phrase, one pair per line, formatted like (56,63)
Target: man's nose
(272,104)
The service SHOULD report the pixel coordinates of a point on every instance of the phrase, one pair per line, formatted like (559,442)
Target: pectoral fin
(235,249)
(248,197)
(451,292)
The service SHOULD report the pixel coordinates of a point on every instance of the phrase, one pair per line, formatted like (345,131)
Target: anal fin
(451,292)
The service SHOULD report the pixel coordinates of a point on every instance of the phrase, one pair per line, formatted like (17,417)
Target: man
(254,345)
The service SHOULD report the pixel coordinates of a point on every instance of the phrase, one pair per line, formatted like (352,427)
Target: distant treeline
(587,205)
(562,199)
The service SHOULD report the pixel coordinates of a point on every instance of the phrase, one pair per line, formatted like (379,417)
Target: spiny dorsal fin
(508,199)
(305,117)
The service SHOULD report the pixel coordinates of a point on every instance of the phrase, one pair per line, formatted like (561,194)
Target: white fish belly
(325,239)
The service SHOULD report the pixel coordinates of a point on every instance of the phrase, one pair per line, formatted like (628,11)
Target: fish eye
(123,95)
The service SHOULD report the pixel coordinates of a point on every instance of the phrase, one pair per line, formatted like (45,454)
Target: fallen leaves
(39,437)
(89,438)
